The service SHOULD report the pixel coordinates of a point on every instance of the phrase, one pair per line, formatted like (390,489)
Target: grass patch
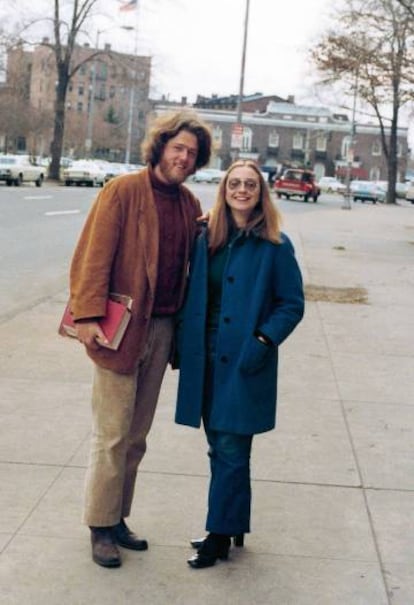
(352,296)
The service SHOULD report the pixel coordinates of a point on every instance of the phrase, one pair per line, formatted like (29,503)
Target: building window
(101,93)
(247,139)
(217,137)
(81,90)
(273,139)
(82,70)
(112,92)
(297,141)
(321,142)
(79,107)
(102,71)
(376,148)
(375,174)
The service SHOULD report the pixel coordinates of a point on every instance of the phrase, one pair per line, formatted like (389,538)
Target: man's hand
(88,332)
(203,217)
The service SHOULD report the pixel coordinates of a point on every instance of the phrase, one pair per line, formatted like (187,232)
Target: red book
(113,325)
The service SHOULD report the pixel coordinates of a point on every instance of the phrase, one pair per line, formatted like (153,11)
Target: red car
(299,183)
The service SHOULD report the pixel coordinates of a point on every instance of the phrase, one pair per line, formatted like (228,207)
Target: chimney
(107,46)
(183,100)
(291,99)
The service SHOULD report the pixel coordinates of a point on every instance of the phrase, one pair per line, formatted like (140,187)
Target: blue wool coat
(262,290)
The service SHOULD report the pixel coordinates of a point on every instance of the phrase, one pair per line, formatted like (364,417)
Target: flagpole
(132,88)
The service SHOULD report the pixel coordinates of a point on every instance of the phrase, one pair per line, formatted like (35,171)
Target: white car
(409,195)
(331,185)
(18,169)
(84,172)
(207,175)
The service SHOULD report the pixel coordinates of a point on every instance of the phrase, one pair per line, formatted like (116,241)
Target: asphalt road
(39,228)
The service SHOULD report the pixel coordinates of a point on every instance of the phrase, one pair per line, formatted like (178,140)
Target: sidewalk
(333,486)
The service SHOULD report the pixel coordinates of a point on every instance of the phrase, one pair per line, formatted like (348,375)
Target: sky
(197,45)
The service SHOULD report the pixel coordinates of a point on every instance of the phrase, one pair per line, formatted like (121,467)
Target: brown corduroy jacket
(118,252)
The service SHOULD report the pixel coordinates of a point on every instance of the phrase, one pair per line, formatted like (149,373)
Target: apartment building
(107,95)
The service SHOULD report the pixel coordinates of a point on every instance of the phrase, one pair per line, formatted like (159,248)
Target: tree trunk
(58,130)
(393,155)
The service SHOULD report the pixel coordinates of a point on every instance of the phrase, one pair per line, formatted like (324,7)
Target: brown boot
(123,536)
(104,549)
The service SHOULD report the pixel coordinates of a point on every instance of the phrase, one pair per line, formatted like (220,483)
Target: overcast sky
(197,44)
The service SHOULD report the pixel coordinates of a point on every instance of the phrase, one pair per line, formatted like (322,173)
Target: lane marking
(58,212)
(38,197)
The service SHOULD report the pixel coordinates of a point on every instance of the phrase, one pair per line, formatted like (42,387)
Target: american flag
(128,6)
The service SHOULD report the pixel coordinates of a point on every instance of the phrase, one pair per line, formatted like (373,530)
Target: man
(136,241)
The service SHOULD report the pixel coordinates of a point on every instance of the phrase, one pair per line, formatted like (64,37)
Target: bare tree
(372,52)
(65,34)
(408,5)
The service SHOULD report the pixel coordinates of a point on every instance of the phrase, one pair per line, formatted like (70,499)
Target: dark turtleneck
(171,246)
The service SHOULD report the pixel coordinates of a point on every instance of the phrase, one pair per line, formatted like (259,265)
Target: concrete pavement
(333,485)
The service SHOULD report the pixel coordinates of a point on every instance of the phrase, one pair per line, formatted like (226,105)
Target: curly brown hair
(265,219)
(167,126)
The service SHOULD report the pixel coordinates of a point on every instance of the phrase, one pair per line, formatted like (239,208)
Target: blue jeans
(229,496)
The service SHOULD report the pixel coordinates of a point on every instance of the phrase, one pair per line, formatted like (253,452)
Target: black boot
(126,538)
(215,546)
(104,550)
(238,540)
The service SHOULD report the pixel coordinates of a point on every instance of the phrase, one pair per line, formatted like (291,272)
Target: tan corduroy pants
(123,408)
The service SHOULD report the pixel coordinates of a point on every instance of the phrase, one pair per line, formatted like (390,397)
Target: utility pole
(89,128)
(350,153)
(239,116)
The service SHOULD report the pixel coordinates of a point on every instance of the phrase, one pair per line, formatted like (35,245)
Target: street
(39,229)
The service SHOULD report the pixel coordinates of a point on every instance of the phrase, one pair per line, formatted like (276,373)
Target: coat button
(226,320)
(230,279)
(224,359)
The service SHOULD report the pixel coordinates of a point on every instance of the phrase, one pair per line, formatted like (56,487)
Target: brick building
(101,98)
(286,134)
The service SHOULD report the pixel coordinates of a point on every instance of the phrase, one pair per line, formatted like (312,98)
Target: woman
(244,298)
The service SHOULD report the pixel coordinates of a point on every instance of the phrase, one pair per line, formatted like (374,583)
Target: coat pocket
(254,355)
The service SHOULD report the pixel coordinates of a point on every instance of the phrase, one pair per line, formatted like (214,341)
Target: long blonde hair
(265,219)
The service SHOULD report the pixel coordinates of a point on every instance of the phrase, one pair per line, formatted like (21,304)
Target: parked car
(400,188)
(409,195)
(84,172)
(299,183)
(207,175)
(367,191)
(18,169)
(330,184)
